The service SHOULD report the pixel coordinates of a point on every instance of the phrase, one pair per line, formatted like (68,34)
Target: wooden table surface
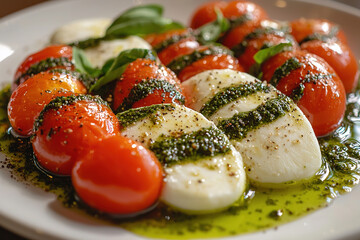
(11,6)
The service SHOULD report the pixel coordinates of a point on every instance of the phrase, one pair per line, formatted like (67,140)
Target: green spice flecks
(284,70)
(173,39)
(230,94)
(239,49)
(86,79)
(206,142)
(146,87)
(88,43)
(298,92)
(240,124)
(59,102)
(178,64)
(322,37)
(44,65)
(131,116)
(237,21)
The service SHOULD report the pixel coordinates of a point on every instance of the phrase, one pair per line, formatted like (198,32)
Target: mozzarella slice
(95,28)
(208,184)
(282,150)
(80,30)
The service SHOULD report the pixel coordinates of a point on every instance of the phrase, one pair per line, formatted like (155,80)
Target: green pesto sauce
(231,94)
(178,64)
(171,40)
(240,124)
(44,65)
(259,209)
(148,86)
(190,147)
(86,79)
(322,37)
(284,70)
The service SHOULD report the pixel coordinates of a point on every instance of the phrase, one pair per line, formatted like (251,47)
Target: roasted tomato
(313,84)
(30,97)
(219,61)
(68,128)
(340,58)
(181,48)
(144,83)
(54,52)
(206,13)
(118,176)
(303,28)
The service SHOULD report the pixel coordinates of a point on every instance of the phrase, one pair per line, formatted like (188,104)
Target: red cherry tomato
(206,13)
(183,47)
(119,176)
(54,51)
(157,38)
(246,59)
(68,133)
(138,71)
(27,101)
(340,58)
(302,28)
(220,61)
(324,99)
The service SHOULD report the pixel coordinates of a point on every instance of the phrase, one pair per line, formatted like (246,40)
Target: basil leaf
(82,64)
(143,11)
(213,30)
(119,64)
(142,26)
(264,54)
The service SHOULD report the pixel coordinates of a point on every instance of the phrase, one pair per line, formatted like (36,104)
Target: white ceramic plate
(35,214)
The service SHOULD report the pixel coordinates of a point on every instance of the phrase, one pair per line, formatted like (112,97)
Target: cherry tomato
(206,13)
(324,99)
(246,59)
(157,38)
(27,101)
(138,71)
(68,132)
(340,58)
(119,176)
(302,28)
(183,47)
(54,51)
(219,61)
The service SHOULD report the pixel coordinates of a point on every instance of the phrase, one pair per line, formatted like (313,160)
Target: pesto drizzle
(86,79)
(240,124)
(44,65)
(230,94)
(178,64)
(190,147)
(61,101)
(298,92)
(239,49)
(173,39)
(131,116)
(237,21)
(88,43)
(284,70)
(146,87)
(322,37)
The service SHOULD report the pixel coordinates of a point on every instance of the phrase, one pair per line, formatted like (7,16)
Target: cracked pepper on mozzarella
(203,171)
(274,137)
(95,28)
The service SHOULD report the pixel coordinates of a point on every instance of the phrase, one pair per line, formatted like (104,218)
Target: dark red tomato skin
(206,13)
(68,133)
(302,28)
(144,69)
(323,102)
(220,61)
(53,51)
(183,47)
(254,45)
(340,58)
(118,176)
(27,101)
(157,38)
